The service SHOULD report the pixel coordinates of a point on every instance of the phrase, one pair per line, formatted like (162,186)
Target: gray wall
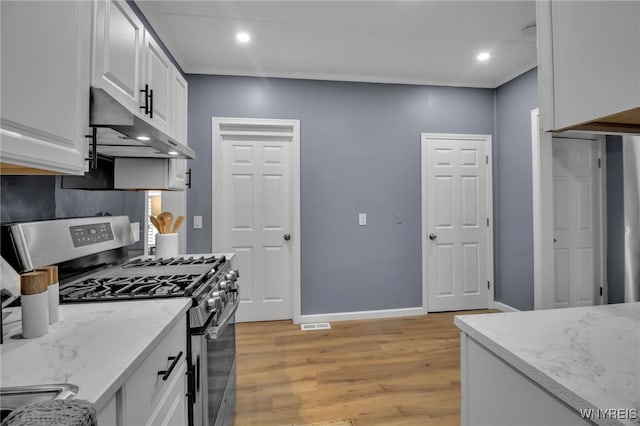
(615,220)
(513,194)
(360,152)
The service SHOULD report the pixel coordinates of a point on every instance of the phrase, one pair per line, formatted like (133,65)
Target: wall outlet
(197,222)
(362,219)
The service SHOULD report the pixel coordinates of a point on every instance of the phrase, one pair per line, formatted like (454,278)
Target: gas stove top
(147,278)
(175,261)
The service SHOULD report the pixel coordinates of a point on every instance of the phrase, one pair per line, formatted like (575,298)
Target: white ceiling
(416,42)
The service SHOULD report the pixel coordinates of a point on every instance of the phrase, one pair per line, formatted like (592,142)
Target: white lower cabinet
(157,380)
(108,415)
(156,392)
(172,410)
(495,393)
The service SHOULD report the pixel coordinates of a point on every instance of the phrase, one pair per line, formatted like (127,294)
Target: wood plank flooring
(399,371)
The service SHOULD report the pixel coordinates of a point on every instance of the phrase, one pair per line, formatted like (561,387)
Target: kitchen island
(546,367)
(95,346)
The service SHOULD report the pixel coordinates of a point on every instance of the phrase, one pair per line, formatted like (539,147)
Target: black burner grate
(175,261)
(126,288)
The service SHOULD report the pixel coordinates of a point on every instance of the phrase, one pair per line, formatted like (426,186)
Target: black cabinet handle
(198,374)
(145,107)
(93,152)
(151,103)
(188,173)
(174,361)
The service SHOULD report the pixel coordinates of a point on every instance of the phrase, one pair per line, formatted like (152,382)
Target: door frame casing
(489,229)
(542,180)
(216,178)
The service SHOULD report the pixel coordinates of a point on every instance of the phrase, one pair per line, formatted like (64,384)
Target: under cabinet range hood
(120,133)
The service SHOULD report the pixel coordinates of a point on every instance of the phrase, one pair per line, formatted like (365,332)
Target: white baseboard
(503,307)
(360,315)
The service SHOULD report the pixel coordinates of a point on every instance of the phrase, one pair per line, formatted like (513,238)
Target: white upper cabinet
(132,67)
(178,178)
(158,74)
(180,107)
(150,173)
(117,52)
(45,59)
(589,65)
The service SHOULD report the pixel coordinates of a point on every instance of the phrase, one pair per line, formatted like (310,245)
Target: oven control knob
(232,275)
(220,295)
(214,304)
(225,285)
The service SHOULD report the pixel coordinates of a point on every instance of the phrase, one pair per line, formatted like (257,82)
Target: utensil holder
(166,245)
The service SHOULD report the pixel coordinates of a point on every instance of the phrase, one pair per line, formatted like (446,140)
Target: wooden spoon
(179,221)
(166,218)
(157,224)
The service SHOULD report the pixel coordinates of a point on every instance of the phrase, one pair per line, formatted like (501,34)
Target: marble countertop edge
(538,376)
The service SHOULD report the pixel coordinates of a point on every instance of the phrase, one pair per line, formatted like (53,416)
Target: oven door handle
(215,332)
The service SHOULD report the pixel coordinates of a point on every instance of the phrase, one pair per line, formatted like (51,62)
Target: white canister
(34,301)
(166,245)
(53,291)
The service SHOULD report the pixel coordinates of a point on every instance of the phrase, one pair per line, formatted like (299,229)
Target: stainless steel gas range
(92,257)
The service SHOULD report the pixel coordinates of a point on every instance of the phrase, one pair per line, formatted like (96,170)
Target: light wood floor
(403,371)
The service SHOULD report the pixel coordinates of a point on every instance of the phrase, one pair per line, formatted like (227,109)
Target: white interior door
(254,200)
(577,238)
(457,208)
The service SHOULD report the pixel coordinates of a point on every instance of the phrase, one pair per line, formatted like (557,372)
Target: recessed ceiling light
(172,153)
(483,56)
(143,138)
(243,37)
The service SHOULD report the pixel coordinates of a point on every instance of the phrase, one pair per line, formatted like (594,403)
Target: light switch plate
(362,219)
(197,222)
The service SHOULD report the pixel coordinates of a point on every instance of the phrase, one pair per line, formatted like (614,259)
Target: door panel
(242,205)
(275,262)
(456,210)
(577,246)
(121,58)
(470,201)
(117,64)
(158,75)
(470,268)
(444,217)
(561,259)
(444,270)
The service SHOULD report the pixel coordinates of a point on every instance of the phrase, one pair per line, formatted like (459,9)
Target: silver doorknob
(287,237)
(432,236)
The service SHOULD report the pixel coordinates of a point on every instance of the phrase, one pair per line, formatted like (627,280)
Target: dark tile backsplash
(25,198)
(28,198)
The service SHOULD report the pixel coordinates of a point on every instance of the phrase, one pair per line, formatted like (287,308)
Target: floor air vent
(315,326)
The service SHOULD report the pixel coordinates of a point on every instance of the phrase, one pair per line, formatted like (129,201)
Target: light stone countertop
(589,357)
(95,346)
